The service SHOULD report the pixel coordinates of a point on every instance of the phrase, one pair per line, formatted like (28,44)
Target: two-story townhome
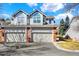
(34,27)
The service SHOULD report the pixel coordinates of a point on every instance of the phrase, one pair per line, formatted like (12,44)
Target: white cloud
(60,16)
(4,16)
(63,16)
(32,4)
(52,7)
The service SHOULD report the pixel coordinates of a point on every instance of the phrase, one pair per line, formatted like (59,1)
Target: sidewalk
(3,48)
(12,46)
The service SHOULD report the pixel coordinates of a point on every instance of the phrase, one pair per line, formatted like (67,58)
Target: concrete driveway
(44,49)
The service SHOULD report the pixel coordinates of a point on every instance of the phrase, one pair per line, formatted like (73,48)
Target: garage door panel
(40,37)
(9,38)
(18,37)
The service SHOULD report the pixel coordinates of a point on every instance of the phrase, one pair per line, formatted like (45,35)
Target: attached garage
(42,35)
(15,34)
(15,37)
(29,34)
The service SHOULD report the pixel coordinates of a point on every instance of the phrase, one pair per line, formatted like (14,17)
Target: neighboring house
(74,28)
(2,22)
(37,27)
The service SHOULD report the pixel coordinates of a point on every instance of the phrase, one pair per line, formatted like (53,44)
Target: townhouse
(34,27)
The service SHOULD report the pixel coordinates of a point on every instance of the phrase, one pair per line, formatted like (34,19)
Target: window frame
(20,20)
(36,18)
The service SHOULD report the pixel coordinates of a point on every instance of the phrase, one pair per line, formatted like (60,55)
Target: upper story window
(20,20)
(37,18)
(50,21)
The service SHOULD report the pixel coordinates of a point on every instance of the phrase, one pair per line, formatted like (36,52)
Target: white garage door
(42,37)
(15,37)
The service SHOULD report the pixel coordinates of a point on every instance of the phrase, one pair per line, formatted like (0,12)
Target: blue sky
(59,11)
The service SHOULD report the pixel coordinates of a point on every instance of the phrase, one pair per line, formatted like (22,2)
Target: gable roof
(15,14)
(77,17)
(37,11)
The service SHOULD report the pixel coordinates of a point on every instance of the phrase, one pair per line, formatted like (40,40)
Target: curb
(55,44)
(35,47)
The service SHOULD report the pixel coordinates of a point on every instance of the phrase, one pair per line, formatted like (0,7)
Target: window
(36,19)
(20,20)
(50,21)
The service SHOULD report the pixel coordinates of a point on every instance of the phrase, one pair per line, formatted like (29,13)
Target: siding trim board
(15,32)
(42,33)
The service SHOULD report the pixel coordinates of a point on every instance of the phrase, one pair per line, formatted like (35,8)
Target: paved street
(44,49)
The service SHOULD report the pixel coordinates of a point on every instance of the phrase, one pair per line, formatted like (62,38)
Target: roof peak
(18,12)
(37,11)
